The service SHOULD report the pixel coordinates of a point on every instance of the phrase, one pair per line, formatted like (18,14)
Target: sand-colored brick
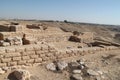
(1,56)
(29,48)
(12,64)
(46,58)
(22,62)
(3,64)
(16,58)
(39,52)
(44,47)
(49,54)
(25,57)
(28,53)
(68,51)
(4,60)
(38,60)
(2,50)
(42,55)
(33,56)
(10,49)
(37,48)
(15,54)
(52,51)
(20,49)
(30,61)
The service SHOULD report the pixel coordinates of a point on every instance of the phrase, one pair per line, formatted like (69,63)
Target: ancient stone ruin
(37,43)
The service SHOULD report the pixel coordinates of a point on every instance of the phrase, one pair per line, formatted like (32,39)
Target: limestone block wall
(82,51)
(4,35)
(37,37)
(56,37)
(25,55)
(40,53)
(4,28)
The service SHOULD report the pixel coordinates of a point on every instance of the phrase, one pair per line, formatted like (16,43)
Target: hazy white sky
(92,11)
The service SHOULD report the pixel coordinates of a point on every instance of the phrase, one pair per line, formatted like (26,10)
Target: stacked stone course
(42,51)
(32,54)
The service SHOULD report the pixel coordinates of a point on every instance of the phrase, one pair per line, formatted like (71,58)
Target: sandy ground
(107,62)
(110,65)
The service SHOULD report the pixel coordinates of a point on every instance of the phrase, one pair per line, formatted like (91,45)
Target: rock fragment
(92,72)
(76,77)
(1,71)
(21,74)
(51,66)
(62,65)
(76,71)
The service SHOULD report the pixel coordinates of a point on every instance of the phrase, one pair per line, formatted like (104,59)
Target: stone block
(30,61)
(4,28)
(52,58)
(20,49)
(15,28)
(44,47)
(4,60)
(46,58)
(39,52)
(49,54)
(8,55)
(14,40)
(46,51)
(23,62)
(29,48)
(39,60)
(5,44)
(42,55)
(34,56)
(57,53)
(16,58)
(10,49)
(3,64)
(21,74)
(52,51)
(28,53)
(68,51)
(25,57)
(1,56)
(12,64)
(37,48)
(2,50)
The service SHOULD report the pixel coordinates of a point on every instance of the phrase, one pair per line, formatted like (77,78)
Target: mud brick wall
(4,35)
(82,51)
(25,55)
(4,28)
(32,54)
(56,37)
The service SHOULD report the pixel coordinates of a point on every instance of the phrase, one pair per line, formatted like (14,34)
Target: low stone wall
(83,51)
(25,55)
(40,53)
(4,28)
(4,35)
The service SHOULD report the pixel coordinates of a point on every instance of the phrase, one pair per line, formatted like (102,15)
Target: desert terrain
(97,56)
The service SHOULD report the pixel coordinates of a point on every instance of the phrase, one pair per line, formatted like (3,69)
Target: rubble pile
(11,41)
(78,70)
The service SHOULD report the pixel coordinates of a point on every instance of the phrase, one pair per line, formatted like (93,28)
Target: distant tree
(65,21)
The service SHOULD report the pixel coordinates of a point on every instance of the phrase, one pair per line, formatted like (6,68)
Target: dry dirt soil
(107,62)
(110,65)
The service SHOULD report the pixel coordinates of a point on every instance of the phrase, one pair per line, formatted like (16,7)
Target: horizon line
(68,21)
